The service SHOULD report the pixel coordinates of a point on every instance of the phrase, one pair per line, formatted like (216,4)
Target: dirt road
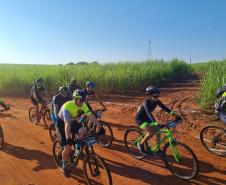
(27,156)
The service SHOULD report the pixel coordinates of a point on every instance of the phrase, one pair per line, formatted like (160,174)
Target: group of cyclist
(67,105)
(71,101)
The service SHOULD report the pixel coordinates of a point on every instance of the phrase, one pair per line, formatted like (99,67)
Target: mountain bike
(179,159)
(44,112)
(94,167)
(213,138)
(104,140)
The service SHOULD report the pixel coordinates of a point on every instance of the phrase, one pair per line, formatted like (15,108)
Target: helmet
(152,90)
(39,80)
(90,84)
(63,89)
(79,94)
(73,81)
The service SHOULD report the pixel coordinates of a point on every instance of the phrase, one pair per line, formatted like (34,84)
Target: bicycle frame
(154,149)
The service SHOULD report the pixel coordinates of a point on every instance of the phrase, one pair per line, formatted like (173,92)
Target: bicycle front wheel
(96,170)
(131,138)
(180,160)
(107,138)
(213,138)
(1,138)
(47,118)
(57,154)
(32,115)
(52,132)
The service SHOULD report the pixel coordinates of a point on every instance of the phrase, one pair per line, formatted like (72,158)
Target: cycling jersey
(36,90)
(145,110)
(60,100)
(70,110)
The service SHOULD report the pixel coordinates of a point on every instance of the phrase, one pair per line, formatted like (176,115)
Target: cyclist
(59,99)
(73,86)
(220,107)
(144,118)
(6,107)
(37,91)
(67,125)
(92,95)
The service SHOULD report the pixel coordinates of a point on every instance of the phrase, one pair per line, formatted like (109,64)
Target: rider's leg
(66,150)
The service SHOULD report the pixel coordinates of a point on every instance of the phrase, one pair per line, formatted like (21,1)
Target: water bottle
(77,150)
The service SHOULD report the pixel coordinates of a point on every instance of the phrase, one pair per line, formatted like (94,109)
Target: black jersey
(144,112)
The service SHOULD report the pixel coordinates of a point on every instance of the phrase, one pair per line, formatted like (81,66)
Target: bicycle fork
(176,154)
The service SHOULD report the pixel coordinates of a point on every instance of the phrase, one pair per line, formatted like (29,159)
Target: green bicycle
(179,159)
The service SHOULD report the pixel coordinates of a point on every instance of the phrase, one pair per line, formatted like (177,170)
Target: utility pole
(149,50)
(190,59)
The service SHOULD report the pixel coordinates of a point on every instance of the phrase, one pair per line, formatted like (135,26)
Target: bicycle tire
(91,159)
(57,158)
(52,132)
(30,114)
(138,154)
(211,149)
(47,118)
(195,167)
(110,137)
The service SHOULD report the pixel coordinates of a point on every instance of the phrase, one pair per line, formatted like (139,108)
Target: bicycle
(104,141)
(176,160)
(44,112)
(213,138)
(93,165)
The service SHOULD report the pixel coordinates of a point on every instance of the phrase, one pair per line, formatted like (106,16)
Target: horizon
(54,32)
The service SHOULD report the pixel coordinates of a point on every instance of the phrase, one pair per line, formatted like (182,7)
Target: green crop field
(214,78)
(120,77)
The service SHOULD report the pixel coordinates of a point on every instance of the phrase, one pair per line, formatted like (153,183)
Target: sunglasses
(155,96)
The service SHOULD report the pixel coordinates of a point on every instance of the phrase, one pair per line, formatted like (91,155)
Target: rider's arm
(144,104)
(55,106)
(166,109)
(90,115)
(98,99)
(67,124)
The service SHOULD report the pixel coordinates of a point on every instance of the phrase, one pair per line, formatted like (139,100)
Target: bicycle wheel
(57,154)
(47,118)
(32,115)
(52,132)
(1,138)
(107,138)
(187,166)
(213,138)
(96,170)
(131,138)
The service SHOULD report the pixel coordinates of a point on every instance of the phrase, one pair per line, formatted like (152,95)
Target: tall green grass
(120,77)
(214,78)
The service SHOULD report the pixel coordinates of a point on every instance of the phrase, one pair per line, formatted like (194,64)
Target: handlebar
(171,123)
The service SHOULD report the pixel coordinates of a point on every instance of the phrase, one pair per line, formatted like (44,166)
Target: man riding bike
(67,125)
(6,107)
(37,91)
(92,95)
(144,118)
(59,99)
(73,86)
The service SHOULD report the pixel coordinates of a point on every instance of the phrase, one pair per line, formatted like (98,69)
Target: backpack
(220,91)
(219,104)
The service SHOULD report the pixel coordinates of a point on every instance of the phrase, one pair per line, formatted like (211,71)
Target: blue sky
(57,31)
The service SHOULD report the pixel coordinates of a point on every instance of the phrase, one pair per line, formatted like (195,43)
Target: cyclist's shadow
(6,115)
(43,159)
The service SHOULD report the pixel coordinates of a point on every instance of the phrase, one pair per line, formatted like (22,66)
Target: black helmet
(63,89)
(152,90)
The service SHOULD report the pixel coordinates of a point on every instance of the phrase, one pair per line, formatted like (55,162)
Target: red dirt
(27,155)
